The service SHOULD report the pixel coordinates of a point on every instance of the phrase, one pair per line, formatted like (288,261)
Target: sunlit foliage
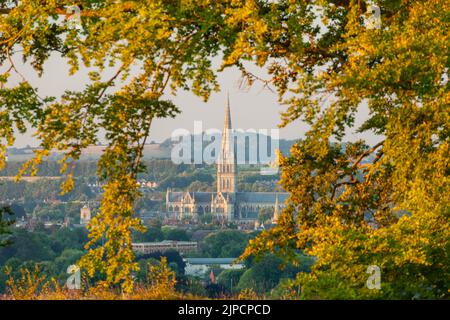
(351,205)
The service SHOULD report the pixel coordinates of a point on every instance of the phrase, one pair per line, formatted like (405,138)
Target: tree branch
(366,153)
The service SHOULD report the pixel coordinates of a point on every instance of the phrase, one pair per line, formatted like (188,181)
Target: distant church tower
(85,215)
(226,161)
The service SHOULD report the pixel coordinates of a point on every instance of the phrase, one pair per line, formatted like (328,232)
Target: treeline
(156,169)
(52,250)
(156,232)
(165,172)
(265,276)
(51,169)
(43,189)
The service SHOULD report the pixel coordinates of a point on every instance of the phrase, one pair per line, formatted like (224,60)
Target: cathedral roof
(251,197)
(261,197)
(176,196)
(203,196)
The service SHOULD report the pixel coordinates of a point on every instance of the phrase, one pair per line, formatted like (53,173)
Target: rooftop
(165,242)
(210,260)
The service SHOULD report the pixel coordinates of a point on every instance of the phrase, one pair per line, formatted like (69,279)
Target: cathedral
(227,203)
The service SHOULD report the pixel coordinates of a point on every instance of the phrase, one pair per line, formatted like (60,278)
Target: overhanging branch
(62,10)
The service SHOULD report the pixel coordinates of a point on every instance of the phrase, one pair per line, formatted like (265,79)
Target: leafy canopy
(351,205)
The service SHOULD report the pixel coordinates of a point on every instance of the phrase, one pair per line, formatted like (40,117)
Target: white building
(201,266)
(151,247)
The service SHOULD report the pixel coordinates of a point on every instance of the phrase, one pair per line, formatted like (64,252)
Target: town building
(152,247)
(201,266)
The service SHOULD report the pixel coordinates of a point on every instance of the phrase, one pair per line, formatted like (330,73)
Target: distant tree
(194,286)
(199,186)
(225,244)
(215,290)
(65,238)
(152,234)
(18,211)
(175,234)
(262,276)
(230,278)
(67,258)
(5,223)
(50,212)
(142,275)
(265,214)
(185,179)
(206,218)
(28,246)
(172,256)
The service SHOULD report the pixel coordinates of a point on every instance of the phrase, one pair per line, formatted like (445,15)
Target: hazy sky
(255,108)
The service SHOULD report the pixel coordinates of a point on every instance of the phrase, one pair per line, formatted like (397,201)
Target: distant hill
(157,150)
(244,143)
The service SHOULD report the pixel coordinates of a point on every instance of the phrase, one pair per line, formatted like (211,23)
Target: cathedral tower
(226,161)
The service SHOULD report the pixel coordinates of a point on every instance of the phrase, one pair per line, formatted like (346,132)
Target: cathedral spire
(227,124)
(226,161)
